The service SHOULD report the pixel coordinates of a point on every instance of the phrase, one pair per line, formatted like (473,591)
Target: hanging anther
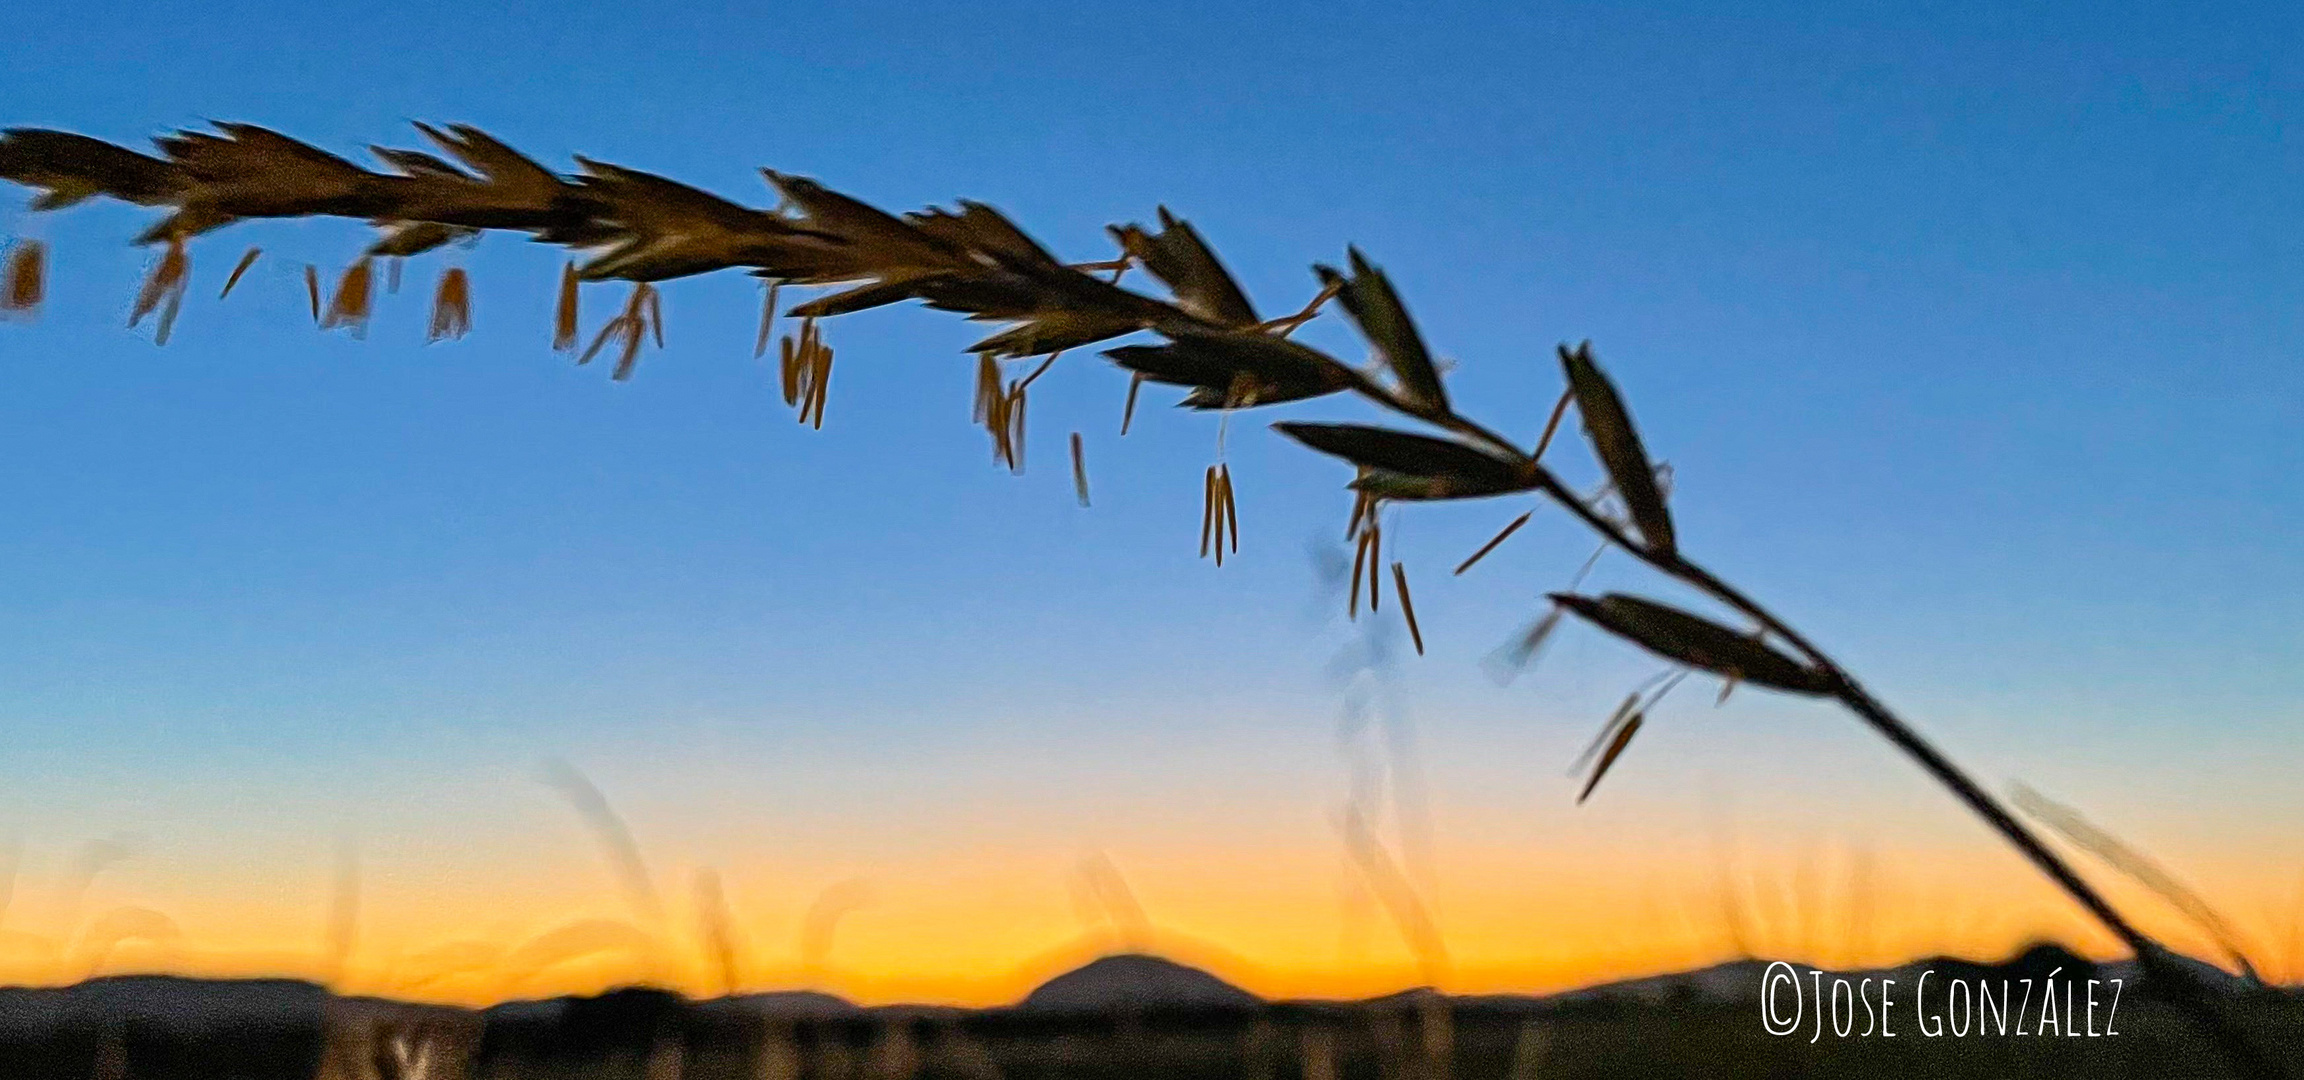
(564,311)
(1128,412)
(238,270)
(807,372)
(451,306)
(1407,606)
(27,279)
(1079,470)
(353,299)
(1219,515)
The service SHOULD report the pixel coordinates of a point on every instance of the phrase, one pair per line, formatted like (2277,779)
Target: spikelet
(1407,606)
(312,290)
(1079,470)
(564,313)
(27,279)
(1128,412)
(451,306)
(350,305)
(238,269)
(392,275)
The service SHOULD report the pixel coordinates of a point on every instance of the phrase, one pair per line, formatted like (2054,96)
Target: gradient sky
(1973,338)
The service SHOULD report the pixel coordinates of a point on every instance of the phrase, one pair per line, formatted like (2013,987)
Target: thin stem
(2179,987)
(1848,692)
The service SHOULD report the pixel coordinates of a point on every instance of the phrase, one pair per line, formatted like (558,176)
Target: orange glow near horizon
(1280,924)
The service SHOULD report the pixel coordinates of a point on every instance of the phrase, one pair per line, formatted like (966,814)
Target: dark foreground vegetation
(139,1027)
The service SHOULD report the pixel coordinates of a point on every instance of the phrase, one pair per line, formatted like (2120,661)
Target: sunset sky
(1973,340)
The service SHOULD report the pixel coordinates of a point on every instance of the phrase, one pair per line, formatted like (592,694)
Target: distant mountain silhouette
(793,1005)
(1134,981)
(197,1007)
(1732,980)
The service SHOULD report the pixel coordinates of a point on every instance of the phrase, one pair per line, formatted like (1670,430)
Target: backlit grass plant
(1199,332)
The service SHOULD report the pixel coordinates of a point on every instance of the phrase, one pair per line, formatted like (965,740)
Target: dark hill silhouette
(793,1005)
(1135,982)
(164,1027)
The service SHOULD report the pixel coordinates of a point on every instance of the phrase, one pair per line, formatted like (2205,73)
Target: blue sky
(1972,336)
